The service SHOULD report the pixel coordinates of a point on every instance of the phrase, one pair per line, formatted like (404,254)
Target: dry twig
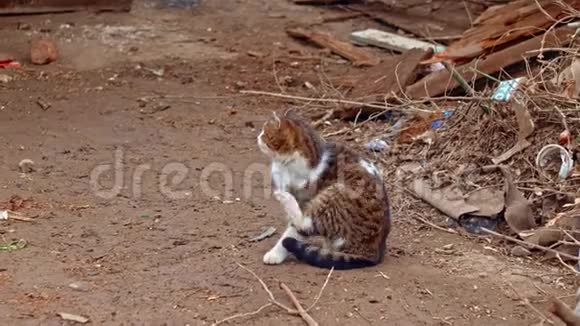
(307,318)
(530,245)
(319,295)
(247,314)
(435,226)
(527,302)
(299,311)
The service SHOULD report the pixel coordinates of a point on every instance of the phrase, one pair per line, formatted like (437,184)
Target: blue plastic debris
(473,224)
(440,122)
(505,89)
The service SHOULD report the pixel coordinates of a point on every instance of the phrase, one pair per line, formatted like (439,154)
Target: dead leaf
(518,212)
(75,318)
(570,77)
(268,232)
(525,129)
(543,236)
(445,199)
(489,201)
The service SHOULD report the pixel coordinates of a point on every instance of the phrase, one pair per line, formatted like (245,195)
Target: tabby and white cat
(329,193)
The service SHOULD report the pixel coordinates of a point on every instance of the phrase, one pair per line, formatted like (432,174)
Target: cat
(328,192)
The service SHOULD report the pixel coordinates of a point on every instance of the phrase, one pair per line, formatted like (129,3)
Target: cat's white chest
(293,175)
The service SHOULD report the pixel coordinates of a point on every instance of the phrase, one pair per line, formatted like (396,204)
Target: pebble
(80,286)
(43,51)
(26,166)
(519,251)
(5,78)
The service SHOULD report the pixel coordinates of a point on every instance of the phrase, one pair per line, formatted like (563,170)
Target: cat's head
(286,134)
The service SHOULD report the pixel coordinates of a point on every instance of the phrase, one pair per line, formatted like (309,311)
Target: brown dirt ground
(146,259)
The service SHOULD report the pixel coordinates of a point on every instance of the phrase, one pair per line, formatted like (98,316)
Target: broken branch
(529,245)
(307,318)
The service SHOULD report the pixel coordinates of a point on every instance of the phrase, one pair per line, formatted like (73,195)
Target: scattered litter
(26,166)
(74,318)
(377,145)
(9,63)
(43,51)
(392,41)
(13,245)
(474,224)
(436,124)
(548,152)
(11,215)
(266,233)
(506,89)
(157,72)
(439,83)
(44,104)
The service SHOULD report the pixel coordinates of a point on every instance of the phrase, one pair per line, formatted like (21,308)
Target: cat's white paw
(289,204)
(275,256)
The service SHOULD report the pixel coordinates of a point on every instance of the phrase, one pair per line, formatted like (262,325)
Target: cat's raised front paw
(289,204)
(275,256)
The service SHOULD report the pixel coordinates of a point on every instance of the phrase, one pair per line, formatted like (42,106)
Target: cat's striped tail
(313,255)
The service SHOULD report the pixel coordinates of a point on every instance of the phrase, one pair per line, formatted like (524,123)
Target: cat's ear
(276,118)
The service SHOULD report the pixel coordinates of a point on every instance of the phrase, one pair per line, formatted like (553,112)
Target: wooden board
(421,20)
(383,82)
(391,41)
(50,6)
(357,56)
(441,82)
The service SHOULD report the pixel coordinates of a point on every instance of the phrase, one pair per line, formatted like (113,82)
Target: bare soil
(144,258)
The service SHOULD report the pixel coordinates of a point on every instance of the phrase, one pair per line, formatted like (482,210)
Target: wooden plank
(420,22)
(383,82)
(391,41)
(357,56)
(13,7)
(441,82)
(390,76)
(501,25)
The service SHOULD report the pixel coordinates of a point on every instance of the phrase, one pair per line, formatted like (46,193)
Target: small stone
(43,51)
(519,251)
(241,84)
(80,286)
(26,166)
(256,54)
(5,78)
(448,246)
(24,26)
